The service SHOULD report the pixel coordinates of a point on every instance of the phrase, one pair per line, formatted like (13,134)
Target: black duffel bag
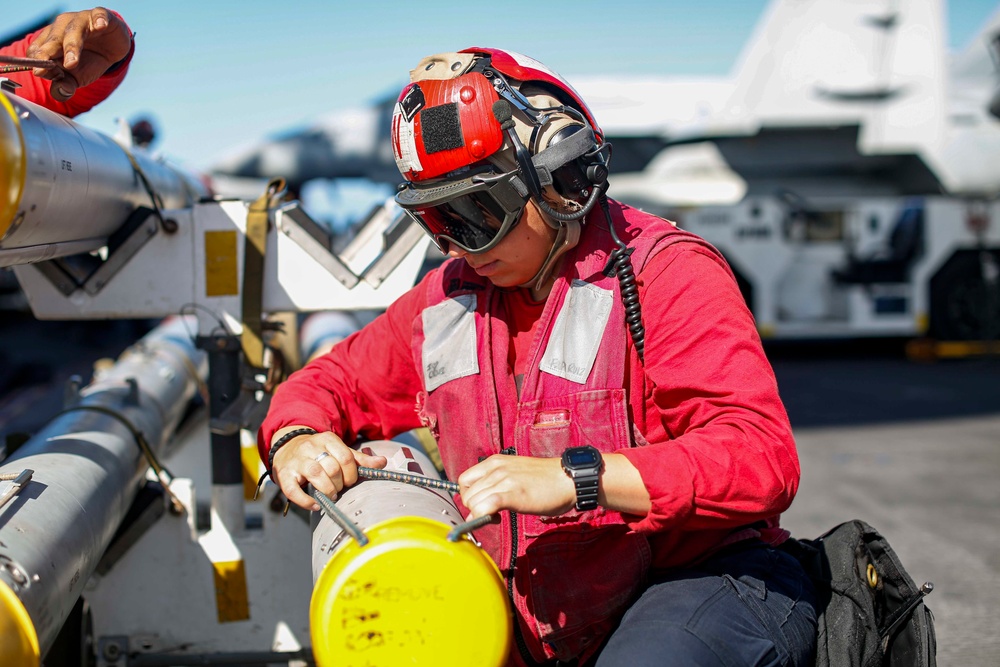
(869,611)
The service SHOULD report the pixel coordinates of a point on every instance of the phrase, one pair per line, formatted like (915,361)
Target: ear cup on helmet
(575,179)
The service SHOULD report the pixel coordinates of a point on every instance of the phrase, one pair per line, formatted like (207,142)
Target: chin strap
(567,236)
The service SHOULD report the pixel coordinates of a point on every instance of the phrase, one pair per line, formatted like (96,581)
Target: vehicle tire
(965,297)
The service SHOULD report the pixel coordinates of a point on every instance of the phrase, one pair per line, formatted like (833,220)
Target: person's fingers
(348,465)
(90,69)
(328,480)
(370,460)
(476,473)
(85,43)
(72,41)
(100,19)
(291,486)
(483,503)
(486,494)
(62,41)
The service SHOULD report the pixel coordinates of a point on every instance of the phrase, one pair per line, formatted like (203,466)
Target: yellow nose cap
(410,597)
(18,641)
(12,165)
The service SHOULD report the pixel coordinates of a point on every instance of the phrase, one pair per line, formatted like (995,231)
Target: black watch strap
(586,490)
(583,465)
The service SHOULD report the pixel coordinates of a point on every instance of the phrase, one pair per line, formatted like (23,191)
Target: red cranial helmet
(478,133)
(466,107)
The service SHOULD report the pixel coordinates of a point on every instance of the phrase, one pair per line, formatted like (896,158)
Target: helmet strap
(567,236)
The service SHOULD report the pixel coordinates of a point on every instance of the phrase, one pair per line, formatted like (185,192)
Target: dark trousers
(750,605)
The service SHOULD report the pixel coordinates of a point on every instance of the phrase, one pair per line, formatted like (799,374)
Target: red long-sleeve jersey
(716,450)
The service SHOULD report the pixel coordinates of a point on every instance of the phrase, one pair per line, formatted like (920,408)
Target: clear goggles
(474,213)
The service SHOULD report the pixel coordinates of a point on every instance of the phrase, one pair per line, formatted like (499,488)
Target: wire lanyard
(10,64)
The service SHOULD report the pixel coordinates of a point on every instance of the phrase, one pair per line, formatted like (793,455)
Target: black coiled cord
(621,262)
(595,195)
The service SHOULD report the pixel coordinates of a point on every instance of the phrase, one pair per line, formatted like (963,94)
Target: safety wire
(351,529)
(162,474)
(154,197)
(12,64)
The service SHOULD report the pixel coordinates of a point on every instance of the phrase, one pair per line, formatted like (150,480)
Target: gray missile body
(64,188)
(87,467)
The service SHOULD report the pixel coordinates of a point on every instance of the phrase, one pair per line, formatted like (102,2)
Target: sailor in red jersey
(590,372)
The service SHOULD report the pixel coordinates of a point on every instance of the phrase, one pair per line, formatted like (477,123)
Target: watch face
(581,457)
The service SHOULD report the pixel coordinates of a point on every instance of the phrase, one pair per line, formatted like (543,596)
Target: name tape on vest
(577,332)
(449,349)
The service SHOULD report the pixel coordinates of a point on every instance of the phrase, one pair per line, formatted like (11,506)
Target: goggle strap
(522,189)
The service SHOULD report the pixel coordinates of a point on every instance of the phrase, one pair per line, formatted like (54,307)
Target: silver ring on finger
(322,455)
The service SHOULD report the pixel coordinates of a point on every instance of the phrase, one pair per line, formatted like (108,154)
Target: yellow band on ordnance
(18,639)
(13,165)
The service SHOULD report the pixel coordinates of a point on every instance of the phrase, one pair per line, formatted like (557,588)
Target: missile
(65,189)
(321,331)
(413,593)
(86,467)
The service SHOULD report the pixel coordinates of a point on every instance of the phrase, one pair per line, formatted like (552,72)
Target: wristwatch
(583,465)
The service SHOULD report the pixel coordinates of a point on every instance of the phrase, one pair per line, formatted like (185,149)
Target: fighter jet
(821,90)
(353,143)
(848,172)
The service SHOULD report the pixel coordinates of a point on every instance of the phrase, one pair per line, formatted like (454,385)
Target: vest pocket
(549,427)
(576,584)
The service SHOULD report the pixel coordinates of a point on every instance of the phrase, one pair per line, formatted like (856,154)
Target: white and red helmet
(477,133)
(444,119)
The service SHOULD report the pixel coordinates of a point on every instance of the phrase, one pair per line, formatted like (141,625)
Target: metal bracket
(392,236)
(298,226)
(89,273)
(11,487)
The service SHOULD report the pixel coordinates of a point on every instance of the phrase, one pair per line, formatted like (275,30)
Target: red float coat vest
(570,577)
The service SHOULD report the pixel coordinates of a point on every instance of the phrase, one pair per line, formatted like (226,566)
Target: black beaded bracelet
(281,442)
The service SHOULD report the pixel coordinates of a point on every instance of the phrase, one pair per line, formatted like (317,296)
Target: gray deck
(914,450)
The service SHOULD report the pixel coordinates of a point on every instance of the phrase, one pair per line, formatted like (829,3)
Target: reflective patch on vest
(577,333)
(449,349)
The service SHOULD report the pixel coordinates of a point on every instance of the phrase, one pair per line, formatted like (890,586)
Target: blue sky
(215,77)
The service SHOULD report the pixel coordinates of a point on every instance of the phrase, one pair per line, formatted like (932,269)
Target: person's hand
(518,483)
(87,43)
(322,460)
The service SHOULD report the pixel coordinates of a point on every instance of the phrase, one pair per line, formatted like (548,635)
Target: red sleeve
(36,90)
(721,452)
(366,385)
